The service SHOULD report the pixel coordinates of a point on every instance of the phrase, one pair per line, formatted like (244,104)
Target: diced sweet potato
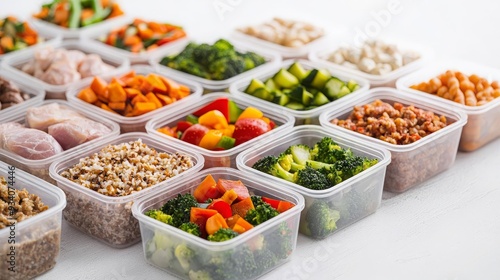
(87,95)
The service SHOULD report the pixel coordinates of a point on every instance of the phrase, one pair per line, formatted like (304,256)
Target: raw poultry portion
(74,132)
(31,143)
(10,94)
(44,116)
(61,66)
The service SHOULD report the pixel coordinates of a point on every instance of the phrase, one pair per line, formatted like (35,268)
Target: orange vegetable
(206,189)
(239,229)
(7,43)
(251,112)
(145,33)
(139,98)
(130,74)
(152,47)
(116,92)
(128,111)
(200,216)
(241,208)
(158,28)
(214,223)
(229,197)
(229,130)
(173,88)
(225,185)
(87,95)
(86,13)
(164,99)
(167,131)
(143,108)
(210,139)
(119,81)
(117,106)
(145,86)
(156,83)
(106,107)
(116,10)
(28,30)
(132,40)
(99,86)
(153,99)
(132,92)
(284,205)
(136,81)
(213,118)
(137,47)
(30,40)
(43,13)
(237,221)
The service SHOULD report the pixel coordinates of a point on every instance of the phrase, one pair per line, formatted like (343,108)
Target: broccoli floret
(280,172)
(190,66)
(321,220)
(334,176)
(199,275)
(223,45)
(327,151)
(260,214)
(233,264)
(191,228)
(312,179)
(301,153)
(367,163)
(256,200)
(222,234)
(285,160)
(352,166)
(184,256)
(252,60)
(265,164)
(226,67)
(319,165)
(279,241)
(294,167)
(159,216)
(265,259)
(180,208)
(202,53)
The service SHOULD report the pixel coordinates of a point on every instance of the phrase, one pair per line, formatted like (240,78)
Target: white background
(446,228)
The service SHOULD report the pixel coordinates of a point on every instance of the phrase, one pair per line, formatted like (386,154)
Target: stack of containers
(483,121)
(412,163)
(301,117)
(137,123)
(40,168)
(38,238)
(36,94)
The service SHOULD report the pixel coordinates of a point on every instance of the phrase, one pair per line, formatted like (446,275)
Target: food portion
(468,90)
(373,57)
(218,211)
(288,33)
(10,94)
(219,61)
(396,124)
(133,94)
(220,125)
(320,167)
(141,36)
(61,66)
(300,89)
(50,129)
(16,35)
(78,13)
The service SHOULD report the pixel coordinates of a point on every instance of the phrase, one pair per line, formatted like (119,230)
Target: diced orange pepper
(215,223)
(284,205)
(167,131)
(251,112)
(153,99)
(132,92)
(229,130)
(229,196)
(210,140)
(212,118)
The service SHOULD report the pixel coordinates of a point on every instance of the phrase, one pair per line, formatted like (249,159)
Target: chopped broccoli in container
(180,208)
(222,234)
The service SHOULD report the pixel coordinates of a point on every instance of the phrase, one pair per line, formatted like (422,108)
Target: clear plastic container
(352,200)
(38,238)
(71,33)
(134,124)
(301,117)
(226,158)
(40,168)
(387,80)
(159,240)
(109,219)
(416,162)
(483,121)
(36,94)
(13,64)
(271,58)
(135,58)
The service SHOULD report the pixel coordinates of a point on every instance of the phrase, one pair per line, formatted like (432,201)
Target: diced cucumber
(281,99)
(234,111)
(320,99)
(263,93)
(192,119)
(301,95)
(285,79)
(310,107)
(352,85)
(312,90)
(343,92)
(295,106)
(271,85)
(226,142)
(333,87)
(254,85)
(298,71)
(317,78)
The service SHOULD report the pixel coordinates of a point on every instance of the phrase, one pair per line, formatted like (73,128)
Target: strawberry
(249,128)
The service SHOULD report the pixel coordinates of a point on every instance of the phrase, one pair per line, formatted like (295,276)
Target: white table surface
(446,228)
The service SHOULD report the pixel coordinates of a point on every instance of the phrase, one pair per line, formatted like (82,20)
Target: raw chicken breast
(8,127)
(74,132)
(31,143)
(60,73)
(92,65)
(44,116)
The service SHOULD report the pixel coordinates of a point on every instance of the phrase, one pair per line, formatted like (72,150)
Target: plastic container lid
(129,124)
(13,63)
(388,79)
(37,95)
(225,158)
(271,58)
(143,57)
(238,87)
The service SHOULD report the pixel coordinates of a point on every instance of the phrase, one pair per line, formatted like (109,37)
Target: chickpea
(495,84)
(470,98)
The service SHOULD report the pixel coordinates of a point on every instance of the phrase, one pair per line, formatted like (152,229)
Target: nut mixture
(374,57)
(396,124)
(10,94)
(25,205)
(124,169)
(288,33)
(456,86)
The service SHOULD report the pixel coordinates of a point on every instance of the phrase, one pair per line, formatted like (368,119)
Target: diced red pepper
(284,205)
(221,104)
(273,202)
(200,216)
(222,207)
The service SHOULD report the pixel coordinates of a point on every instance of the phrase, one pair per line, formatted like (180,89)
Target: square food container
(483,121)
(135,58)
(159,240)
(416,162)
(352,199)
(36,94)
(301,117)
(109,219)
(387,80)
(271,60)
(138,123)
(40,168)
(38,238)
(14,63)
(225,158)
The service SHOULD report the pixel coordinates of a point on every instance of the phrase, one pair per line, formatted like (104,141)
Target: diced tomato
(222,207)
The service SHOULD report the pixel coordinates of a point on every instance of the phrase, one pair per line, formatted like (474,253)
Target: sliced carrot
(87,95)
(152,47)
(145,33)
(153,99)
(116,10)
(157,27)
(28,30)
(30,40)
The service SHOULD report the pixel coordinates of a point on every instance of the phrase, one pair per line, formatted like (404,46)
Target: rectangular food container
(14,63)
(271,60)
(38,238)
(37,95)
(40,168)
(416,162)
(225,158)
(138,123)
(352,199)
(301,117)
(279,230)
(387,80)
(483,121)
(135,58)
(109,219)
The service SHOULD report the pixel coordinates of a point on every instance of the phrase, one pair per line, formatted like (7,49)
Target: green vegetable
(298,71)
(222,234)
(280,241)
(285,79)
(199,275)
(312,179)
(75,13)
(254,85)
(300,153)
(263,93)
(260,214)
(270,84)
(234,111)
(180,208)
(265,259)
(281,99)
(295,106)
(321,220)
(226,142)
(184,256)
(190,228)
(159,216)
(192,119)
